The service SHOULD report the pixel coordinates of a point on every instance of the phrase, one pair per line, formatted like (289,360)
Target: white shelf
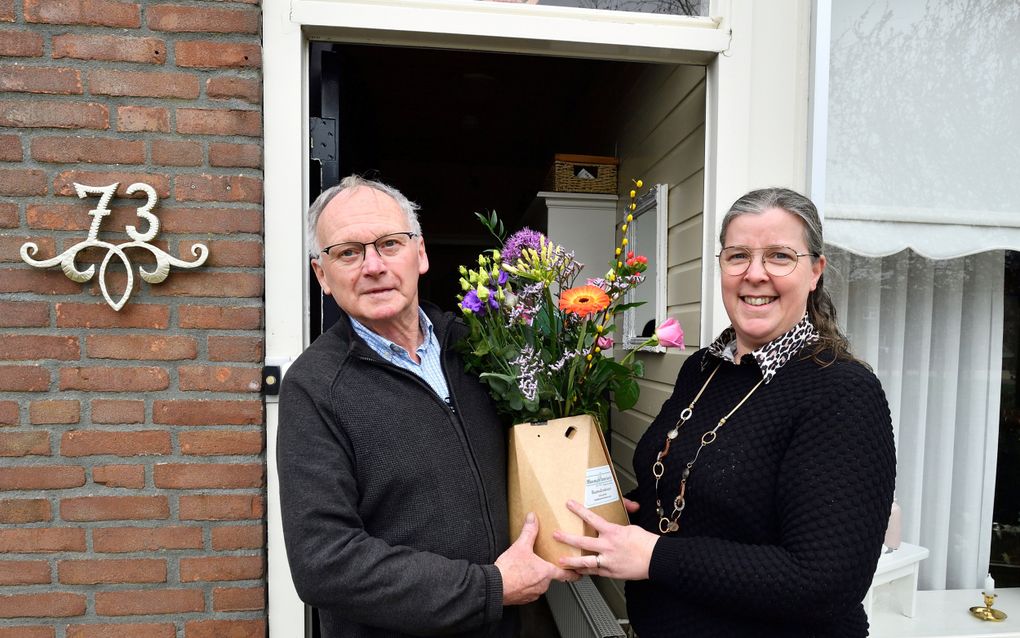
(896,579)
(945,614)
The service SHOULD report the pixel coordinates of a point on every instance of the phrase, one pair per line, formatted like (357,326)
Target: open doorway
(459,132)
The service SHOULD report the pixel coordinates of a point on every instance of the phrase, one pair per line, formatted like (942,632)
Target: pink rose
(605,342)
(670,334)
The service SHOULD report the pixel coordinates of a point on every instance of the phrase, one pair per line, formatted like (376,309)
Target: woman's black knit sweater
(785,512)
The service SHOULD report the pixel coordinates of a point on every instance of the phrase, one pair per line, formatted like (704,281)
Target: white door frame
(288,25)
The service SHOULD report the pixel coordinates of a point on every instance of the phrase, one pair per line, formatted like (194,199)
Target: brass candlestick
(986,612)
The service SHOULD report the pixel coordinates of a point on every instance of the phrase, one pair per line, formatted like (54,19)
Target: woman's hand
(621,551)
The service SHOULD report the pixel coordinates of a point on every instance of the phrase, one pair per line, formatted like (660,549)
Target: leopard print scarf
(770,357)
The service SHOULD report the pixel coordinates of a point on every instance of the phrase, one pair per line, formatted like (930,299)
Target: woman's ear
(817,268)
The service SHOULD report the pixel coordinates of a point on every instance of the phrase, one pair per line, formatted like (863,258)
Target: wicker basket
(583,174)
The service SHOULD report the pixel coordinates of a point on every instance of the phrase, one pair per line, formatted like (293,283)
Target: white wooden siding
(663,142)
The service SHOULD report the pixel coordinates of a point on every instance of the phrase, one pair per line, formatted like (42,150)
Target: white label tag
(599,487)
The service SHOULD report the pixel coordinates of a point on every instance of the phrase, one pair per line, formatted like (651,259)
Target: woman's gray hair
(759,201)
(348,183)
(820,308)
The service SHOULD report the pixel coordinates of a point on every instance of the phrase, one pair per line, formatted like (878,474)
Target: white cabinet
(582,222)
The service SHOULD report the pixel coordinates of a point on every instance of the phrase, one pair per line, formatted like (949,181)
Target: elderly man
(392,460)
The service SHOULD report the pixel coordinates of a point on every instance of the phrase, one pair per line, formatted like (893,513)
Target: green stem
(601,320)
(651,341)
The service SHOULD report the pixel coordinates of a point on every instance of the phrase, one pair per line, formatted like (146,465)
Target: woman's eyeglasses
(352,253)
(778,261)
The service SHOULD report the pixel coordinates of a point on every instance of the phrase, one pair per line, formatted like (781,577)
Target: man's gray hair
(348,183)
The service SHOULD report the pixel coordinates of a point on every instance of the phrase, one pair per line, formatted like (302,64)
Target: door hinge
(322,139)
(325,150)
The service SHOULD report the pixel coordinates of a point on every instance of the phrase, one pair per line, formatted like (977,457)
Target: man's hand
(525,575)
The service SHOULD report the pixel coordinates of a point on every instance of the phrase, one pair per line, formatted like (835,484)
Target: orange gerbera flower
(584,300)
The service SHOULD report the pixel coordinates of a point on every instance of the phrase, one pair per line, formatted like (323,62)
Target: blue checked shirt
(430,369)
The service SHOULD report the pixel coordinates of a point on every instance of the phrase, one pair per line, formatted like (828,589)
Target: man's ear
(423,257)
(321,276)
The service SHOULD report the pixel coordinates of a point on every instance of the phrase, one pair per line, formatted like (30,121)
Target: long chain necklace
(671,523)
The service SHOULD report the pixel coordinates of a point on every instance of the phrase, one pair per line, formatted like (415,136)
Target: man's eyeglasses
(352,253)
(779,261)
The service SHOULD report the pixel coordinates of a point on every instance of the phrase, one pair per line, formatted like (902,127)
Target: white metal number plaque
(139,240)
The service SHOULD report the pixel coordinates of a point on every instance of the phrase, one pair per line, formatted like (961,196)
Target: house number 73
(161,270)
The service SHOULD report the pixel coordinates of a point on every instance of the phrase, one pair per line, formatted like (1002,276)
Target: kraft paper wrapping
(552,461)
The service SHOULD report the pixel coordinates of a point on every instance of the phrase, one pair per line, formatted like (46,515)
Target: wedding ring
(598,561)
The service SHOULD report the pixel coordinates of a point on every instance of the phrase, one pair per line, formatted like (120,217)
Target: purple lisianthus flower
(503,276)
(524,238)
(473,303)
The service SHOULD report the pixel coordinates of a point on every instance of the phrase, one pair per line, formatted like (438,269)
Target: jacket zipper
(444,353)
(450,404)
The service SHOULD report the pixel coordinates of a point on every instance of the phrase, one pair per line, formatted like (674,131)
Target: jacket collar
(770,357)
(441,323)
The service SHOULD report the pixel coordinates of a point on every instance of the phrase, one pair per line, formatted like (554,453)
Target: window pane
(673,7)
(923,100)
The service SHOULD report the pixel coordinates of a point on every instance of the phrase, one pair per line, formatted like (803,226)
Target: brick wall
(132,465)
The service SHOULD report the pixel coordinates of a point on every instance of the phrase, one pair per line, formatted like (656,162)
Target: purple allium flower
(524,238)
(473,303)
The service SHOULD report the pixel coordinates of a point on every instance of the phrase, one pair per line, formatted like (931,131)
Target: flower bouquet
(542,343)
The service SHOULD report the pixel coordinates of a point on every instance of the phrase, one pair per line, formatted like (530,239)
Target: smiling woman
(768,474)
(766,297)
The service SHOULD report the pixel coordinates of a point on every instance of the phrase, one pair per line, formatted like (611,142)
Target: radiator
(580,611)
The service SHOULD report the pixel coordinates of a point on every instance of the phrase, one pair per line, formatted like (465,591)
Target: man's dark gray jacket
(394,503)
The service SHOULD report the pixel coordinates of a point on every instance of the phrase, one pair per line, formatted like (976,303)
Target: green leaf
(542,325)
(618,369)
(510,352)
(493,224)
(639,368)
(626,394)
(498,382)
(628,306)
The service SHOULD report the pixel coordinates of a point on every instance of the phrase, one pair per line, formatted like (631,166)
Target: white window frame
(758,146)
(928,235)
